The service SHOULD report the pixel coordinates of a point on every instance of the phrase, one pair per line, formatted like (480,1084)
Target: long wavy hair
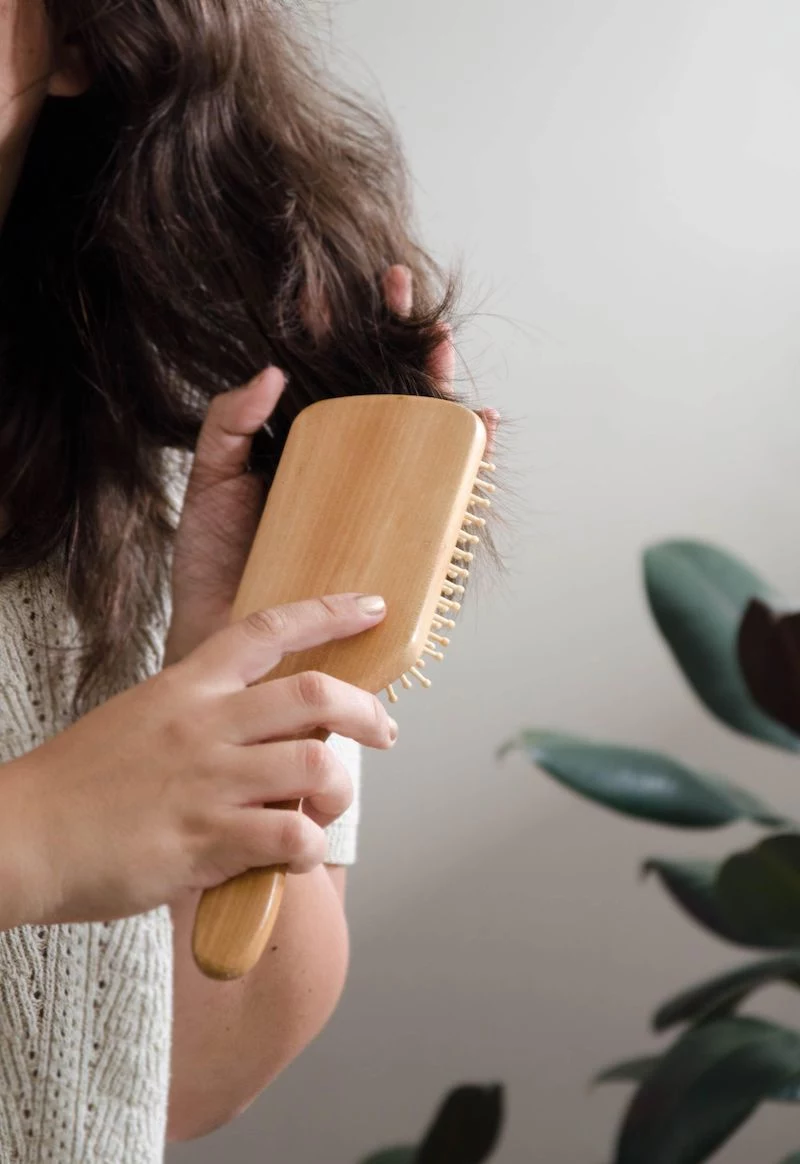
(210,206)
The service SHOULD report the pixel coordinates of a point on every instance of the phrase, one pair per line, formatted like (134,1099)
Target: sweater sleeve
(343,833)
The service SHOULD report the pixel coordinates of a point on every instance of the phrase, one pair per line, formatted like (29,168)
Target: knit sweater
(86,1009)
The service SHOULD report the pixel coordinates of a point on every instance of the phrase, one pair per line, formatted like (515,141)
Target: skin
(229,1039)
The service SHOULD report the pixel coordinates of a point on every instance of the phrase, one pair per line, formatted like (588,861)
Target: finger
(442,362)
(297,705)
(246,651)
(398,290)
(256,838)
(290,770)
(226,438)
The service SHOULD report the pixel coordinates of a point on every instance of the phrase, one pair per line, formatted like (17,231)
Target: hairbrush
(377,495)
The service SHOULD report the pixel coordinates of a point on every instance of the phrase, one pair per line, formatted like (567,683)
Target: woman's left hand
(224,502)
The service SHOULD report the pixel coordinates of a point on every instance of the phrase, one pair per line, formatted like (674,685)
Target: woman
(185,209)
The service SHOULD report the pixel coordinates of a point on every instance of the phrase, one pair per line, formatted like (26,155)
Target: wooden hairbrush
(374,494)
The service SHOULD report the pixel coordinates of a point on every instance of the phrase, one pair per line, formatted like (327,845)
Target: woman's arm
(230,1039)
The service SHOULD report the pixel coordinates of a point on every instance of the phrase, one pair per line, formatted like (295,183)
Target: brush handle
(234,920)
(370,495)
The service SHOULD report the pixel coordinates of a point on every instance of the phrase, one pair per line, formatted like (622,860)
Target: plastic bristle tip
(441,640)
(419,677)
(488,467)
(457,572)
(434,654)
(470,539)
(473,519)
(404,679)
(438,621)
(487,485)
(481,502)
(392,694)
(463,555)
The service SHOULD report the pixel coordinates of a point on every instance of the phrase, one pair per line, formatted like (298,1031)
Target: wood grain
(369,496)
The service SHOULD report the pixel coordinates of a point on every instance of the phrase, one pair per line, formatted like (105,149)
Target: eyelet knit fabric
(86,1009)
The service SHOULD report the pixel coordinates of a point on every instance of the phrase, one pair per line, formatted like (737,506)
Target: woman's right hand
(161,789)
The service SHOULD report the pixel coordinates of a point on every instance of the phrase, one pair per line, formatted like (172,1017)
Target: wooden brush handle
(234,920)
(370,495)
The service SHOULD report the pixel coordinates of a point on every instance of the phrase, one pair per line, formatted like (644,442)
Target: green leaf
(628,1071)
(393,1156)
(466,1128)
(698,595)
(721,995)
(761,886)
(751,807)
(642,784)
(693,885)
(637,1070)
(705,1086)
(768,650)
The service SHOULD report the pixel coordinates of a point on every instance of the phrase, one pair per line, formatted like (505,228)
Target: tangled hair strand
(210,206)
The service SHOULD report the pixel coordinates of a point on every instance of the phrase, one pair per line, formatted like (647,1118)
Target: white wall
(622,178)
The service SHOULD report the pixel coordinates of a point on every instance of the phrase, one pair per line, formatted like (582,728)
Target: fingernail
(371,604)
(393,730)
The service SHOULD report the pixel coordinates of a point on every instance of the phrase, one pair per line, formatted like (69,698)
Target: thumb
(249,649)
(226,437)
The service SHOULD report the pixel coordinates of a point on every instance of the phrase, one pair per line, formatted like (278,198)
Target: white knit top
(86,1010)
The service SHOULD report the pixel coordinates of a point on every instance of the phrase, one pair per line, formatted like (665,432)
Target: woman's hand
(160,791)
(221,511)
(398,288)
(224,502)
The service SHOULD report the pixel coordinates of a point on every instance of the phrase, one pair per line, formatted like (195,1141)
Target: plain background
(622,182)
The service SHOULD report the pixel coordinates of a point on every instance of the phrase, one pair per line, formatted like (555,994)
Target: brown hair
(211,205)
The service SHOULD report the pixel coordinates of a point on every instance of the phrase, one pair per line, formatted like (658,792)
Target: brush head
(377,494)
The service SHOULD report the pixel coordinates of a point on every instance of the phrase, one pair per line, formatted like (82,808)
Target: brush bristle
(452,588)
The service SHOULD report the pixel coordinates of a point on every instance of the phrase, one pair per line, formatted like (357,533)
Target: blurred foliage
(465,1130)
(738,646)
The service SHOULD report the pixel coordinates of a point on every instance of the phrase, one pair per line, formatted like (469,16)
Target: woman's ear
(71,75)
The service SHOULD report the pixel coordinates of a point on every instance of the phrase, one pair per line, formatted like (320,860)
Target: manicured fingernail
(393,730)
(371,604)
